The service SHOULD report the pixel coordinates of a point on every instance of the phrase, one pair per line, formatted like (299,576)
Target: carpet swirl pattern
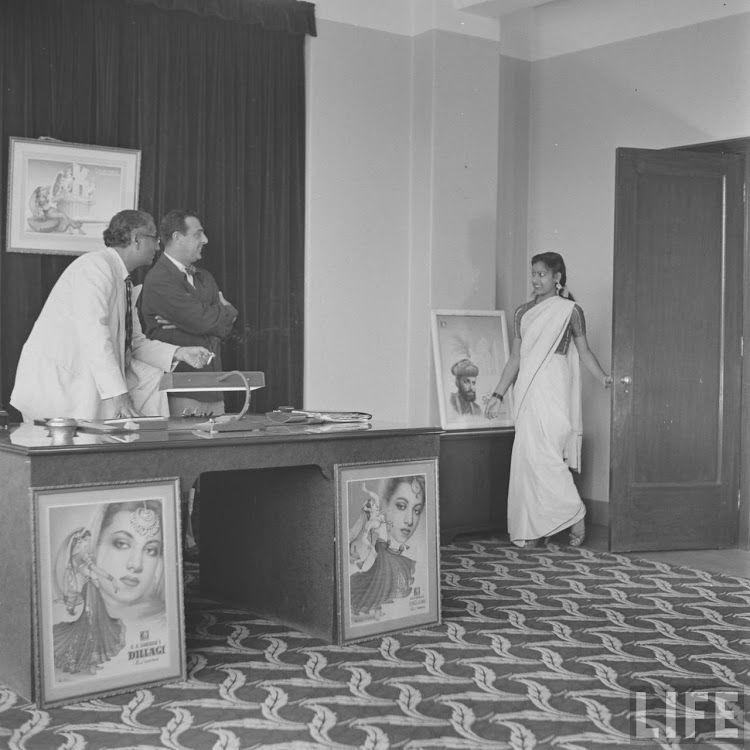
(538,648)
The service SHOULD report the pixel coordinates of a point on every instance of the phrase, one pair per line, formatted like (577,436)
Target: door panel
(676,350)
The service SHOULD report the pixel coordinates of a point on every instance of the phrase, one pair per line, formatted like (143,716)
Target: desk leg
(16,606)
(267,542)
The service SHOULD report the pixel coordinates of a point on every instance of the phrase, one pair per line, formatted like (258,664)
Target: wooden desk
(277,528)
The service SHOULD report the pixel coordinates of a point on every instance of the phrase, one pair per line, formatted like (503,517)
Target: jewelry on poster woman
(396,547)
(416,488)
(145,521)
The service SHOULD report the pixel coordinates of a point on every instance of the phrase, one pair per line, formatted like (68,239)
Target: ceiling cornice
(531,29)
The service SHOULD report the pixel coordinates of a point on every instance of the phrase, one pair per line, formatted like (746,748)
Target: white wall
(357,234)
(401,209)
(512,274)
(689,85)
(464,149)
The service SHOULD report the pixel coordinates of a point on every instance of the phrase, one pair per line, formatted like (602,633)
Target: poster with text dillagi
(109,589)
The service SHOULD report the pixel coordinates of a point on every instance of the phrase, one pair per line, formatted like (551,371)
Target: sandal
(577,533)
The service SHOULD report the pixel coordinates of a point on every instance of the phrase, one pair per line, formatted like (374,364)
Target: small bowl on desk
(62,430)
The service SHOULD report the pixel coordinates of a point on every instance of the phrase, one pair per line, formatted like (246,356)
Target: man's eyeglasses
(150,236)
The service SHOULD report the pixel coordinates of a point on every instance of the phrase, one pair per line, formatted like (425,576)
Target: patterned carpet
(538,648)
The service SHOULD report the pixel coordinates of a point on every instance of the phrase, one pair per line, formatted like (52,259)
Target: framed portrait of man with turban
(470,349)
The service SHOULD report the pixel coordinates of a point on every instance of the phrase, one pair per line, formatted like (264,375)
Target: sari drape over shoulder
(542,498)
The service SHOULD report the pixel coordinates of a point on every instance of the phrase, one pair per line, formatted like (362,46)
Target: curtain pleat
(216,107)
(292,16)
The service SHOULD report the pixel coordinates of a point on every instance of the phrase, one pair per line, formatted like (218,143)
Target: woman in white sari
(542,498)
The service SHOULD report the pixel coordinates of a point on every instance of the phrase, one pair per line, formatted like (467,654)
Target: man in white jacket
(86,357)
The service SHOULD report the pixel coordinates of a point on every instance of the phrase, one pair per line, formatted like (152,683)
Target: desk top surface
(182,433)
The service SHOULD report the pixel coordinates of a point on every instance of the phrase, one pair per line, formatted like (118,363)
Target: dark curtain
(212,92)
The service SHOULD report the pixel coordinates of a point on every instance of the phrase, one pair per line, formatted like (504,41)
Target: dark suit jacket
(200,318)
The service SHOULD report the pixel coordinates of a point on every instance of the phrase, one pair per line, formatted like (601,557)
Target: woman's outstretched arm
(507,377)
(590,361)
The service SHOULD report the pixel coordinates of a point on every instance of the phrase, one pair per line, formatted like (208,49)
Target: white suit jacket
(75,354)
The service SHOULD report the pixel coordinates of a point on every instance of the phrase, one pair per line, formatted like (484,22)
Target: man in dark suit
(182,304)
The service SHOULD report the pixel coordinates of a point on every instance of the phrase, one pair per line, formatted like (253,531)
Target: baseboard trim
(597,511)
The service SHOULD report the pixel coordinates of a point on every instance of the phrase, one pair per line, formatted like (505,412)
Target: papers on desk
(126,424)
(338,427)
(275,421)
(305,416)
(339,416)
(243,430)
(141,423)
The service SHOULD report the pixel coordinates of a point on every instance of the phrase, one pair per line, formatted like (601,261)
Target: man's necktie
(128,314)
(190,274)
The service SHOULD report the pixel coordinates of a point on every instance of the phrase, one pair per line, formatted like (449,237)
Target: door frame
(739,146)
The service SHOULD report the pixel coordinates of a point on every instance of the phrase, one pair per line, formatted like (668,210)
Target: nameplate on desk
(210,381)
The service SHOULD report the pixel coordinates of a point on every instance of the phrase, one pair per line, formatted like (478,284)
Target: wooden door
(674,476)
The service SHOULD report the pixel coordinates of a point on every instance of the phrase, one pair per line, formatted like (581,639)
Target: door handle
(626,380)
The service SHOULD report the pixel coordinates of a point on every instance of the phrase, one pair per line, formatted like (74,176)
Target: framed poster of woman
(108,589)
(388,554)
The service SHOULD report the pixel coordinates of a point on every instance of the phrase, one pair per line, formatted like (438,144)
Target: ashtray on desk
(62,430)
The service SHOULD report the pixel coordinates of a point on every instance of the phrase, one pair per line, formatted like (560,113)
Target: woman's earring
(558,286)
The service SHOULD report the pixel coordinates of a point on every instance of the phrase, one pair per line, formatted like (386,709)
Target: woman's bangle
(496,395)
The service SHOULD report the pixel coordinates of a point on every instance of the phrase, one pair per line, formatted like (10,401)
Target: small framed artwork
(61,196)
(470,349)
(388,560)
(108,589)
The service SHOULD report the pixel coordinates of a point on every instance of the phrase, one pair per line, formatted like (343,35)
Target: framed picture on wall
(107,589)
(61,196)
(470,349)
(387,547)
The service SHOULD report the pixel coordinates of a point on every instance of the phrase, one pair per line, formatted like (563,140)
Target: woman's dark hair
(556,264)
(416,482)
(121,226)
